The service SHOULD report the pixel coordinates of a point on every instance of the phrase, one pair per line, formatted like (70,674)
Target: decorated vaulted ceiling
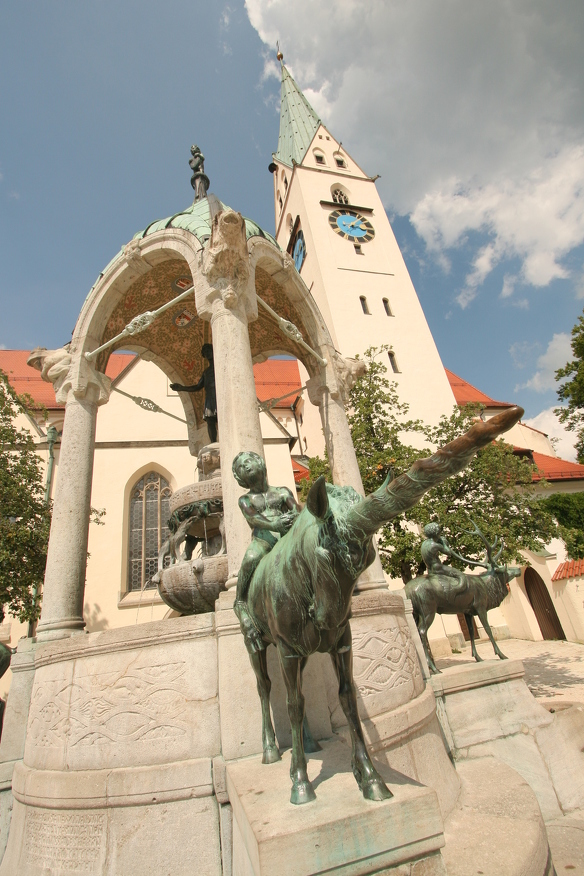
(176,337)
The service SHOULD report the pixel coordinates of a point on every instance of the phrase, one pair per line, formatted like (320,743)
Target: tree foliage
(495,489)
(572,390)
(568,509)
(24,516)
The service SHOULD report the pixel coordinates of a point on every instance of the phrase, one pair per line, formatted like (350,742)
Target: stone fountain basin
(192,587)
(196,492)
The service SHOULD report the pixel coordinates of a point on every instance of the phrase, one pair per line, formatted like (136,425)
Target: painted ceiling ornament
(184,318)
(199,180)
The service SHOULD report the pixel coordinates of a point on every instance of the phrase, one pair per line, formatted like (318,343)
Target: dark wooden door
(541,602)
(464,627)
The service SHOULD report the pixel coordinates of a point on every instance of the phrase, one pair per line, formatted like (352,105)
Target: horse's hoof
(271,755)
(302,793)
(376,790)
(311,745)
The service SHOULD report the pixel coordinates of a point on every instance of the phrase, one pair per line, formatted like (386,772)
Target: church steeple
(298,123)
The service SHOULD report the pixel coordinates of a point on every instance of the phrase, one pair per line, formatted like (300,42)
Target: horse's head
(347,549)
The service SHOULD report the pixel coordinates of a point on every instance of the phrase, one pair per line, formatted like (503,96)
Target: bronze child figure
(268,510)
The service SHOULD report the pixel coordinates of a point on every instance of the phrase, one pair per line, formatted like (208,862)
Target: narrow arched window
(280,201)
(149,513)
(364,304)
(285,183)
(393,362)
(386,307)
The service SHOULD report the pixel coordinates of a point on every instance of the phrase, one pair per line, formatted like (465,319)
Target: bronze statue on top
(445,590)
(207,382)
(299,596)
(199,180)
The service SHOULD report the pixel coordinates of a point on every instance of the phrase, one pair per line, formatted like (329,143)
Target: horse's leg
(468,619)
(482,613)
(260,667)
(368,779)
(308,740)
(302,791)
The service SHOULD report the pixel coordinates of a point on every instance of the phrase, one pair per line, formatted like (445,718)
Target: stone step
(496,828)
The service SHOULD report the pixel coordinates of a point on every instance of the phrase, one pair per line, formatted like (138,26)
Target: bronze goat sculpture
(299,598)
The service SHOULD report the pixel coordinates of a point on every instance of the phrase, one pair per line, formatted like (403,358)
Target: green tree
(572,390)
(495,489)
(24,516)
(568,509)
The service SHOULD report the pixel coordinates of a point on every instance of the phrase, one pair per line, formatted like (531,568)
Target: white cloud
(471,111)
(547,422)
(557,354)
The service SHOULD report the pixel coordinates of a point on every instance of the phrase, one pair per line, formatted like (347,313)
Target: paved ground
(554,671)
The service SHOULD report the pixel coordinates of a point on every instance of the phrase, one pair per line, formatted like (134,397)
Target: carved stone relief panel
(126,708)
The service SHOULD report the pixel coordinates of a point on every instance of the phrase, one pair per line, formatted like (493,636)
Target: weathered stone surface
(497,827)
(340,832)
(562,747)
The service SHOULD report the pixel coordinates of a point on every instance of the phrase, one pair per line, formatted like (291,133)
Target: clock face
(299,251)
(351,225)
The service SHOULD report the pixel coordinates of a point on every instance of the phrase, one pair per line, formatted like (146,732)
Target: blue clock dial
(351,225)
(299,251)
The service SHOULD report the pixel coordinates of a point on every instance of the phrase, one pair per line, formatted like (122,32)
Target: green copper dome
(197,220)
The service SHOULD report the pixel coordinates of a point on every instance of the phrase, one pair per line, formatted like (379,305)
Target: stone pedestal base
(338,833)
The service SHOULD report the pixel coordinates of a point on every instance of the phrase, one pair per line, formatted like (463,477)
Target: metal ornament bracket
(148,405)
(291,331)
(139,324)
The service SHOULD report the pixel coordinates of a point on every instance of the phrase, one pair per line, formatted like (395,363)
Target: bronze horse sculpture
(299,598)
(434,594)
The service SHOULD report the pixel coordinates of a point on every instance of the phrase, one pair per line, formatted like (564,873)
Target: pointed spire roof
(298,123)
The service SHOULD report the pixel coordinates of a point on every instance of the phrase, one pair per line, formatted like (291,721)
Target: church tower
(330,218)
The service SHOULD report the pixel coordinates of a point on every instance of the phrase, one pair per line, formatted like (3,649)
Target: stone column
(82,389)
(329,391)
(225,295)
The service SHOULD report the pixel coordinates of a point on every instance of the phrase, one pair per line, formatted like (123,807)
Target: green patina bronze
(299,597)
(445,590)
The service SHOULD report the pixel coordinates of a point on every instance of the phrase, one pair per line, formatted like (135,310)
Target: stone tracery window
(339,197)
(149,513)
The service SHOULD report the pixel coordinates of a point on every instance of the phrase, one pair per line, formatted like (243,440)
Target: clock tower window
(340,197)
(364,305)
(386,307)
(393,362)
(319,158)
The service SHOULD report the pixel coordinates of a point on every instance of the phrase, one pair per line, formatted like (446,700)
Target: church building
(330,221)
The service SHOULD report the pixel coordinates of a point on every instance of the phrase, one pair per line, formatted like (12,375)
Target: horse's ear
(317,500)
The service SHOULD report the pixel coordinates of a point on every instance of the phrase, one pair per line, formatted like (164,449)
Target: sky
(471,112)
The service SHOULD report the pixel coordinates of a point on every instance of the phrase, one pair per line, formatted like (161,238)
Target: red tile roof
(25,379)
(570,569)
(465,393)
(554,469)
(301,473)
(276,377)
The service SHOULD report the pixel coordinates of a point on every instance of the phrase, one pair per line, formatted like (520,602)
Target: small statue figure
(445,590)
(268,510)
(436,544)
(207,382)
(199,180)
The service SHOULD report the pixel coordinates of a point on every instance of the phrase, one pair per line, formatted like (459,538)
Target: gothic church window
(149,513)
(339,197)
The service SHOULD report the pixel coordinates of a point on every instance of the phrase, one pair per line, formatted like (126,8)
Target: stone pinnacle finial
(199,180)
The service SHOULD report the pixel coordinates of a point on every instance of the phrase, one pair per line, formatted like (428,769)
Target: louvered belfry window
(149,513)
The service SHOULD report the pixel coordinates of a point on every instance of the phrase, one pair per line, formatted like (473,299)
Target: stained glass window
(149,513)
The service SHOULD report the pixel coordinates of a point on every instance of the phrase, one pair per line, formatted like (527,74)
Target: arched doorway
(537,593)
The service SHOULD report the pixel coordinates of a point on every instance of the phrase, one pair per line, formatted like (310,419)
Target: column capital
(337,379)
(69,371)
(226,282)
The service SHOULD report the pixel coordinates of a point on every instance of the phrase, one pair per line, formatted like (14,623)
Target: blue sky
(472,113)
